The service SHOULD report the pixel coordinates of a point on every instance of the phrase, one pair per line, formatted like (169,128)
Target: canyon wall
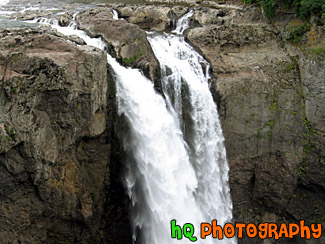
(61,161)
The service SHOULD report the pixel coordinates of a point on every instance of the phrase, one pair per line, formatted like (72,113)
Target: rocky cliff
(56,132)
(61,162)
(272,113)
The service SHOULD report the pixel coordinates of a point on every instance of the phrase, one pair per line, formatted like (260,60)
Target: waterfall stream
(184,68)
(3,2)
(169,177)
(185,82)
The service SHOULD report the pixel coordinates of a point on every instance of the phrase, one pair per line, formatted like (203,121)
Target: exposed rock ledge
(127,42)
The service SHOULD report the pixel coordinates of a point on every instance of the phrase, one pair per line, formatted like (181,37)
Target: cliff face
(56,140)
(61,161)
(271,102)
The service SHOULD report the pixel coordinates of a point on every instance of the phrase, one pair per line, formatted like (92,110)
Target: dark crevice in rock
(117,203)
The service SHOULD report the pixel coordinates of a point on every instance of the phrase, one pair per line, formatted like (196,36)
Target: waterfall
(183,23)
(115,14)
(185,81)
(167,178)
(161,182)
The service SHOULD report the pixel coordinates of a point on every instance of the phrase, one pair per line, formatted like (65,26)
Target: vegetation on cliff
(304,8)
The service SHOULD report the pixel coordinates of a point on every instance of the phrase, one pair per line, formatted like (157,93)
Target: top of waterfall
(183,23)
(115,14)
(4,2)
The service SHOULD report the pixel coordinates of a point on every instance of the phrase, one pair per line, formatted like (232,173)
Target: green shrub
(298,33)
(285,4)
(268,7)
(318,51)
(304,8)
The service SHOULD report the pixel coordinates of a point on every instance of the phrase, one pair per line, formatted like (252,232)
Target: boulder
(151,17)
(64,19)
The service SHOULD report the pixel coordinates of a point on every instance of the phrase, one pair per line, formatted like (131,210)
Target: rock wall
(271,99)
(56,141)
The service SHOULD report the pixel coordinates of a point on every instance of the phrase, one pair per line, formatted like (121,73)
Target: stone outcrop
(56,139)
(127,42)
(151,17)
(64,19)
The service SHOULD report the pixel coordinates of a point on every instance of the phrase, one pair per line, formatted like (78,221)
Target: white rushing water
(183,23)
(182,67)
(166,179)
(4,2)
(115,14)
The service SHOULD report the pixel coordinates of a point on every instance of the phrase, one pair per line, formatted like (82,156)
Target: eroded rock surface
(55,141)
(151,17)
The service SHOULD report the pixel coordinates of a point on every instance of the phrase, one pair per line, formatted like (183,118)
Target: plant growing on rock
(298,32)
(268,7)
(304,8)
